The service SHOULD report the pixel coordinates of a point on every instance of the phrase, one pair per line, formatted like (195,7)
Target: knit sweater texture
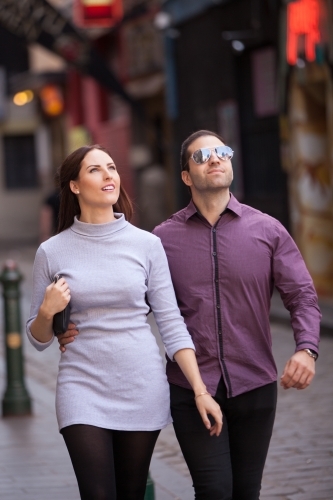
(112,375)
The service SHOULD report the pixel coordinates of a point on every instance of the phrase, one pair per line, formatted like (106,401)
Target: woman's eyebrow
(108,165)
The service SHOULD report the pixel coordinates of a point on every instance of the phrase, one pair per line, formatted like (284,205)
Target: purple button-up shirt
(224,277)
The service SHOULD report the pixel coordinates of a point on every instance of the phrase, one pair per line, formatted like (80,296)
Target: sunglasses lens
(201,155)
(224,152)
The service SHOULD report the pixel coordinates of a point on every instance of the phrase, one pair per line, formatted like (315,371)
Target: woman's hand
(208,406)
(57,295)
(205,403)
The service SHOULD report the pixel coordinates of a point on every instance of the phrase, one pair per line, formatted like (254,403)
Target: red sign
(97,13)
(302,25)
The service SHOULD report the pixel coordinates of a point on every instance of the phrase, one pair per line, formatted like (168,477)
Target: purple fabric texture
(224,278)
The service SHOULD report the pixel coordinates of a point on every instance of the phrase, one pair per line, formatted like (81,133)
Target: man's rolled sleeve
(295,285)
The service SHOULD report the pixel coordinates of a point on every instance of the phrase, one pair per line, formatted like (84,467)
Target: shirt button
(218,306)
(214,253)
(220,333)
(214,230)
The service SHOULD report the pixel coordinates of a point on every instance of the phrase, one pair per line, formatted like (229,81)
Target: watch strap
(311,353)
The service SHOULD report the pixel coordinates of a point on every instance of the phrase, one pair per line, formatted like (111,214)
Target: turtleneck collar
(97,230)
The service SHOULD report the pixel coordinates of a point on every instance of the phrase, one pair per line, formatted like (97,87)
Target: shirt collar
(233,205)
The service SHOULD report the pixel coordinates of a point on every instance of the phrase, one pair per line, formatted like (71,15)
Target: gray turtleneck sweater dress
(112,375)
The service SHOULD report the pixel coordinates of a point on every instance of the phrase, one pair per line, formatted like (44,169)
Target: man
(225,259)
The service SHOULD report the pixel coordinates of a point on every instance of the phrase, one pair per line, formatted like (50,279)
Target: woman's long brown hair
(69,205)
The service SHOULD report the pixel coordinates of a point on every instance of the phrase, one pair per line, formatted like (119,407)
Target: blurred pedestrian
(49,216)
(112,393)
(225,259)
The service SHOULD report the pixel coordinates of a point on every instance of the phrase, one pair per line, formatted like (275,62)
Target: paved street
(34,464)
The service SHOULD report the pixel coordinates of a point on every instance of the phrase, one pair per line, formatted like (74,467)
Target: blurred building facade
(55,96)
(259,72)
(25,153)
(307,133)
(225,63)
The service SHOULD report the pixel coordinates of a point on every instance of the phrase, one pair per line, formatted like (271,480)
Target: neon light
(97,13)
(302,20)
(97,9)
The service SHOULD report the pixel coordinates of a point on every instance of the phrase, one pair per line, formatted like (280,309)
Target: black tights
(110,464)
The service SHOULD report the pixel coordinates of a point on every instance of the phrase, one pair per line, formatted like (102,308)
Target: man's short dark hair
(184,154)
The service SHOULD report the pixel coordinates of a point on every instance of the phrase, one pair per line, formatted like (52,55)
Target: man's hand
(67,337)
(298,372)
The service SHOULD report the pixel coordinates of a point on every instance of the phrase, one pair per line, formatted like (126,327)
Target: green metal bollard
(150,490)
(16,400)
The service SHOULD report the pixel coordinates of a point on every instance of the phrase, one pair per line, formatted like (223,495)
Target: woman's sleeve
(162,300)
(41,279)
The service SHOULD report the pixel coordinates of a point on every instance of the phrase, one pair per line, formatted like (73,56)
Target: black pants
(109,464)
(229,466)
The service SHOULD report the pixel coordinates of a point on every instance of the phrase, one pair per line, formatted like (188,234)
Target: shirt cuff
(40,346)
(172,351)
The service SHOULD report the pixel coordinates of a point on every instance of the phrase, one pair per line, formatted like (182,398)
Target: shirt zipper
(219,312)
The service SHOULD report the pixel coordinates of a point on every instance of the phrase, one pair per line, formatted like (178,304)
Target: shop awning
(36,21)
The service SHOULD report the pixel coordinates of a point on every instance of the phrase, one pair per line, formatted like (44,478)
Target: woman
(112,395)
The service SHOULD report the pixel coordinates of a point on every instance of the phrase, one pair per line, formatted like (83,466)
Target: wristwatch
(311,353)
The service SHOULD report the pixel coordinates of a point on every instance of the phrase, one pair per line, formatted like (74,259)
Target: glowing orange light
(302,20)
(22,98)
(52,100)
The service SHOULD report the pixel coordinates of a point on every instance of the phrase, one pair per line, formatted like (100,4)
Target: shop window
(20,161)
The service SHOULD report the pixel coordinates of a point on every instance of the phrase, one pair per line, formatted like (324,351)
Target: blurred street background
(138,76)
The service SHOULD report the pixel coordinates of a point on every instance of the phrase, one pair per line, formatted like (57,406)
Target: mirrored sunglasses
(202,155)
